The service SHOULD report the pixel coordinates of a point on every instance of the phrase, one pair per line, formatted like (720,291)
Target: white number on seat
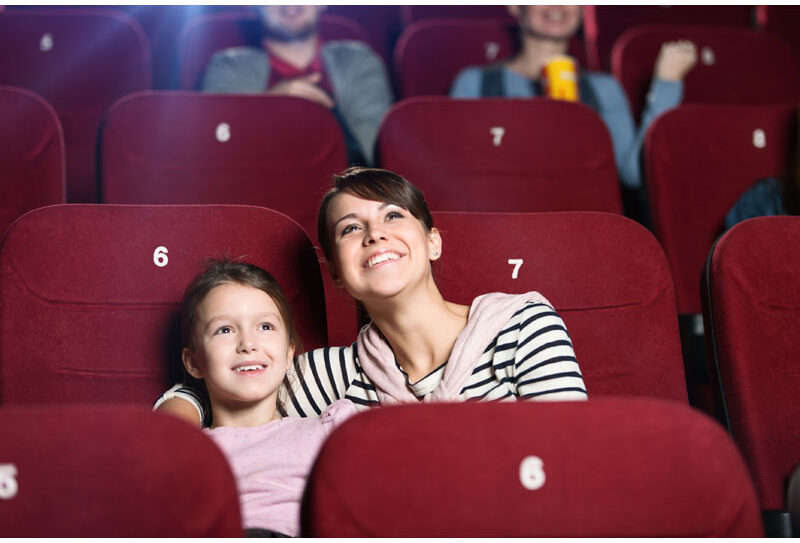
(491,48)
(759,138)
(497,133)
(707,56)
(517,263)
(46,43)
(160,257)
(223,132)
(531,473)
(8,481)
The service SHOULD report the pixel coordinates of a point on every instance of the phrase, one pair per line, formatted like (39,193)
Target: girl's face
(551,22)
(241,346)
(379,249)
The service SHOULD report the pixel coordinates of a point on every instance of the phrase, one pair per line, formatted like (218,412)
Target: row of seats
(108,56)
(111,311)
(626,468)
(172,147)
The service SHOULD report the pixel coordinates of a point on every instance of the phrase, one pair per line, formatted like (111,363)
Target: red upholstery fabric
(412,14)
(735,66)
(606,276)
(783,21)
(602,25)
(755,297)
(206,34)
(606,468)
(80,62)
(87,276)
(119,471)
(381,22)
(502,154)
(699,160)
(31,154)
(430,53)
(192,148)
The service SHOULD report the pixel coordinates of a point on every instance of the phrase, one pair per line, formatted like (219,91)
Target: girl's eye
(266,326)
(349,228)
(224,330)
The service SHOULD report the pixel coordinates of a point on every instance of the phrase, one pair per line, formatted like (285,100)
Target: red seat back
(119,471)
(195,148)
(430,53)
(699,160)
(31,154)
(207,34)
(735,66)
(603,25)
(754,295)
(603,468)
(502,154)
(105,284)
(80,62)
(783,21)
(412,14)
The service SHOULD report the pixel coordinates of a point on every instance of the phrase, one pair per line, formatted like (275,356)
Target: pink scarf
(488,314)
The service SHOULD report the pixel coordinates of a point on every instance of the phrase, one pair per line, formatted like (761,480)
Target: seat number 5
(160,258)
(517,263)
(531,473)
(8,481)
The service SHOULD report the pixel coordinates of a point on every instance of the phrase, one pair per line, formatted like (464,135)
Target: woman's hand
(675,60)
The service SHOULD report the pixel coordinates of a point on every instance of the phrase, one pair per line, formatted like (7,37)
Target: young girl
(378,237)
(240,338)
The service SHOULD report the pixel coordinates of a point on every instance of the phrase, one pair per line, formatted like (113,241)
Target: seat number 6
(160,258)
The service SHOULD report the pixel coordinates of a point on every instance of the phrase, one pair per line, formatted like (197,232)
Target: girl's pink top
(272,462)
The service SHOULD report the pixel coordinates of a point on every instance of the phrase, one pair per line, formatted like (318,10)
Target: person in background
(546,32)
(344,76)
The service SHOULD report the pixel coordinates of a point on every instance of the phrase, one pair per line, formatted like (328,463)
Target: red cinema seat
(120,471)
(753,301)
(430,53)
(699,159)
(605,275)
(31,154)
(609,467)
(735,66)
(183,147)
(782,20)
(381,22)
(107,281)
(80,61)
(206,34)
(412,14)
(602,25)
(502,154)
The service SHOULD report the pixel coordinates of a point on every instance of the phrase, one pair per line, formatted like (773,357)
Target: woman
(545,32)
(378,237)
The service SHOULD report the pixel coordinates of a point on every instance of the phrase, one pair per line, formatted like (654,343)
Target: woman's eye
(394,215)
(349,228)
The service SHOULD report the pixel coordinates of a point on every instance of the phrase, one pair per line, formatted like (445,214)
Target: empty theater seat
(80,61)
(102,285)
(502,154)
(699,159)
(603,25)
(206,34)
(31,154)
(754,297)
(119,471)
(605,275)
(602,468)
(193,148)
(734,66)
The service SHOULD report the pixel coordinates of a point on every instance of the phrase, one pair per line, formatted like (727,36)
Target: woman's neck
(534,54)
(421,328)
(297,53)
(244,415)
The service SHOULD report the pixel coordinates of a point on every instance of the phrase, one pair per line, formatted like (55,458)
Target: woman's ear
(190,363)
(434,244)
(331,267)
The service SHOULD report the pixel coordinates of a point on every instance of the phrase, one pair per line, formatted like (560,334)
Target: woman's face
(379,249)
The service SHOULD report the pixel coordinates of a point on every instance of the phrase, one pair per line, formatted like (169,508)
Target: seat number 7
(517,263)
